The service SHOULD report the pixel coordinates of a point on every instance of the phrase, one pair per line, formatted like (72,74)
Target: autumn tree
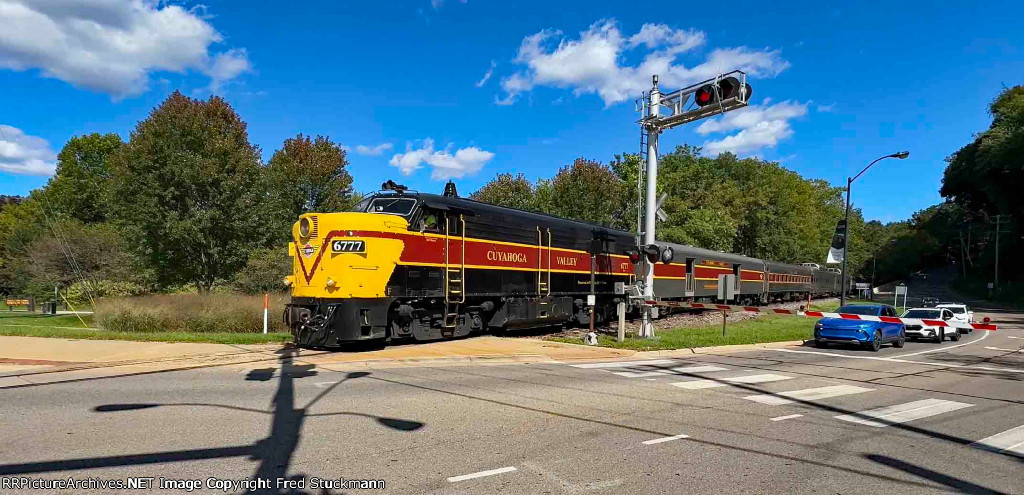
(306,175)
(187,189)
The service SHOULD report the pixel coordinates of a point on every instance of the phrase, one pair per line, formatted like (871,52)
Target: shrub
(79,292)
(197,313)
(264,271)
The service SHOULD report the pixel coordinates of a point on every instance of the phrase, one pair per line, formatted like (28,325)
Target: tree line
(187,202)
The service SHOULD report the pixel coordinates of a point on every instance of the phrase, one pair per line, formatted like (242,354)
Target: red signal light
(634,255)
(704,95)
(727,88)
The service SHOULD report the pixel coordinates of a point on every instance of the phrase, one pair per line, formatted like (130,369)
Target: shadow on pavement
(937,477)
(274,452)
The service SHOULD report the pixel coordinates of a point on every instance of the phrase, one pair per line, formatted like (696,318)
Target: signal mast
(718,95)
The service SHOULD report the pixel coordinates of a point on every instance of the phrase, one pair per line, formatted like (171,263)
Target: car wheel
(956,336)
(901,341)
(876,342)
(941,335)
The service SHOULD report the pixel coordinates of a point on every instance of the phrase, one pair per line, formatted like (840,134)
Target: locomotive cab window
(392,206)
(430,221)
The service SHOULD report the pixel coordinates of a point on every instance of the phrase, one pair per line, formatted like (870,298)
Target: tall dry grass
(196,313)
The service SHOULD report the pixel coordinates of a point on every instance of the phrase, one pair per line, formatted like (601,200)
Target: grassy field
(755,331)
(70,327)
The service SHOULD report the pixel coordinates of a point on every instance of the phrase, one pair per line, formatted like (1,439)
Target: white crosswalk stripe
(1010,441)
(672,371)
(810,394)
(902,413)
(723,382)
(624,364)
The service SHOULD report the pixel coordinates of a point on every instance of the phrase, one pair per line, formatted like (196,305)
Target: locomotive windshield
(392,206)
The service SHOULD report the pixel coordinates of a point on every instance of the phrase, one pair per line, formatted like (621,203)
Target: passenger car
(926,331)
(929,302)
(961,314)
(871,334)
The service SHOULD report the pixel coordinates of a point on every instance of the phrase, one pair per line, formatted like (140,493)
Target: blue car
(870,334)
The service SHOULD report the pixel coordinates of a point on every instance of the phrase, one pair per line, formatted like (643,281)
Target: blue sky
(403,85)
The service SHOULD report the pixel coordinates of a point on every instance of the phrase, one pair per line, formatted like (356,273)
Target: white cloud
(752,115)
(487,75)
(595,63)
(112,46)
(826,108)
(378,150)
(444,163)
(24,154)
(760,126)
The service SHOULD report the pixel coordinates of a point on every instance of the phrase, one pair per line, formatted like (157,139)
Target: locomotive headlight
(289,281)
(331,282)
(304,227)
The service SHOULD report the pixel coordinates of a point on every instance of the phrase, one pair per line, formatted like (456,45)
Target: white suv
(961,314)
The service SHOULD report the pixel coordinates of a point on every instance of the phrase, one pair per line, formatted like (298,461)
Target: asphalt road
(794,420)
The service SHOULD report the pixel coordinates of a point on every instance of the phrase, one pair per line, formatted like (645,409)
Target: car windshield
(955,309)
(922,313)
(860,310)
(392,206)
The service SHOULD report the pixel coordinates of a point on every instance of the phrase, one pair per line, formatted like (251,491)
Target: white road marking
(624,364)
(673,371)
(809,394)
(665,439)
(783,418)
(902,413)
(698,384)
(1012,337)
(1001,349)
(945,348)
(1011,440)
(702,383)
(763,378)
(481,474)
(907,361)
(325,384)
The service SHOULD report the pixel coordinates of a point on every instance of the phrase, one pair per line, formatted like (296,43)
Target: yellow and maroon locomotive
(424,266)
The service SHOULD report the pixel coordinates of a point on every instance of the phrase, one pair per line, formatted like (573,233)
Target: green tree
(77,188)
(588,191)
(307,175)
(513,191)
(187,189)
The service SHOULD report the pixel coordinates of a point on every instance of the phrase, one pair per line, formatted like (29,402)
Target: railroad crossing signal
(723,89)
(721,94)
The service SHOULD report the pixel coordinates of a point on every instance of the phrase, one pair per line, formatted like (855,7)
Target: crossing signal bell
(723,89)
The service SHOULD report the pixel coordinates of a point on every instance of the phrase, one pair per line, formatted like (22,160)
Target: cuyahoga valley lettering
(566,260)
(508,256)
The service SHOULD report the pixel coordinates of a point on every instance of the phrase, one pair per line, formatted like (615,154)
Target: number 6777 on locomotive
(422,266)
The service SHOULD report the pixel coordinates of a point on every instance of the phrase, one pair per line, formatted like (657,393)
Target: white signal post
(653,123)
(266,311)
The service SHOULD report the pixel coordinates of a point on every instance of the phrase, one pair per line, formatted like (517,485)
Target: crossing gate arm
(820,314)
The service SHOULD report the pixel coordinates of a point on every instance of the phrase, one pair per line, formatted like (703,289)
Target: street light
(849,182)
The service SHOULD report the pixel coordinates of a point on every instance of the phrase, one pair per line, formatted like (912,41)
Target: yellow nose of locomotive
(344,255)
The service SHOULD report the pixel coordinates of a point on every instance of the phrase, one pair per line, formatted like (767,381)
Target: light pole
(849,182)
